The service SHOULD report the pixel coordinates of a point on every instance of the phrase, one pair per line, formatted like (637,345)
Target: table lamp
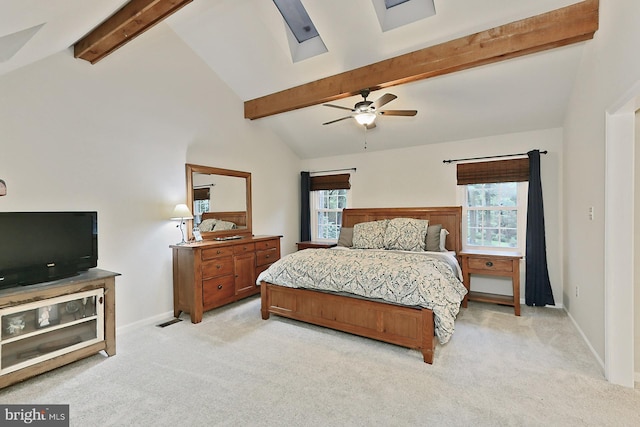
(181,212)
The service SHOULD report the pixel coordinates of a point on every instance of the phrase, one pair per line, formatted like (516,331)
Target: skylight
(302,35)
(390,3)
(297,18)
(396,13)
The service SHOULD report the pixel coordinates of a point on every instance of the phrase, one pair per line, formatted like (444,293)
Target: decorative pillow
(432,243)
(346,237)
(369,235)
(406,234)
(443,239)
(207,224)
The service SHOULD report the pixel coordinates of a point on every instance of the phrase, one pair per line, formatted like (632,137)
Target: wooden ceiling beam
(560,27)
(133,19)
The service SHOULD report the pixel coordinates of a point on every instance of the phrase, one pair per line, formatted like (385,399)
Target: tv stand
(48,325)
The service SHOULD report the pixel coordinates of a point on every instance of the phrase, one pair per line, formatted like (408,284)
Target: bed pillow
(369,235)
(406,234)
(224,225)
(443,239)
(346,237)
(207,224)
(432,243)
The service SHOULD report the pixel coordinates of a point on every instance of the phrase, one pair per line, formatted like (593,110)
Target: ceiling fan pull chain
(365,137)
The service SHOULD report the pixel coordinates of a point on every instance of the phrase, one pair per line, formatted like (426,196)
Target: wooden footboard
(404,326)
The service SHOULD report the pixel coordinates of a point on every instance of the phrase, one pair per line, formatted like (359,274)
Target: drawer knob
(489,264)
(267,256)
(218,252)
(219,286)
(218,266)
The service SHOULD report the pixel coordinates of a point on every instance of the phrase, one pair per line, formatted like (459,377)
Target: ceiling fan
(365,112)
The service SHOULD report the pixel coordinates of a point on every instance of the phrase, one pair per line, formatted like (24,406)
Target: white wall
(115,136)
(608,70)
(636,255)
(418,177)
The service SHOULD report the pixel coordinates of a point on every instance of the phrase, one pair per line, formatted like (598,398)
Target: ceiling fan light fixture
(365,119)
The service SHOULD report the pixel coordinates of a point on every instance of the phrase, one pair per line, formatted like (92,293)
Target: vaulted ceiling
(245,44)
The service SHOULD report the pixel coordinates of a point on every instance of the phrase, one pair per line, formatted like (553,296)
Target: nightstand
(504,264)
(313,244)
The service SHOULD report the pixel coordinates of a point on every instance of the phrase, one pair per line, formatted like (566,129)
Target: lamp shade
(181,212)
(365,119)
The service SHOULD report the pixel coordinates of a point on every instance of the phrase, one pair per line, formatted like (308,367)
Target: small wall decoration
(3,188)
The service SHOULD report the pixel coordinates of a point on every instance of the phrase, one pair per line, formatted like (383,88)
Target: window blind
(330,182)
(512,170)
(201,194)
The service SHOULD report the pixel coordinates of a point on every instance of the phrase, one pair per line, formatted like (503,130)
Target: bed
(408,326)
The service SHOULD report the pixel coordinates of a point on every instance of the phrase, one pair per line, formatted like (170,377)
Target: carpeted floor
(235,369)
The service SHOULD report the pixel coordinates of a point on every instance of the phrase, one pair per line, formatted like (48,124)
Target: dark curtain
(305,209)
(537,286)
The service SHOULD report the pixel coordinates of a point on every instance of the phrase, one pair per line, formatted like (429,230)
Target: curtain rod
(335,170)
(489,157)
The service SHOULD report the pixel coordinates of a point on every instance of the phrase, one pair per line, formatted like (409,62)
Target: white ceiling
(244,42)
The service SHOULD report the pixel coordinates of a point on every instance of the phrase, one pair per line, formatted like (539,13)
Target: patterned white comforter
(425,279)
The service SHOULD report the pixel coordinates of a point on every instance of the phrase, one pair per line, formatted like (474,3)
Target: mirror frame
(190,170)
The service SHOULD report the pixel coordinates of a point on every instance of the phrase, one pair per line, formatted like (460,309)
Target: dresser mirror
(220,200)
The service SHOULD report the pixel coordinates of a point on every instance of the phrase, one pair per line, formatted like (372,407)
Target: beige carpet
(235,369)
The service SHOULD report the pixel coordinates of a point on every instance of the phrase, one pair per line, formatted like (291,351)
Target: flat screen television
(39,247)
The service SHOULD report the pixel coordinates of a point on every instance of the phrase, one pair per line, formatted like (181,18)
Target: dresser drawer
(215,290)
(261,268)
(491,264)
(216,252)
(267,257)
(217,267)
(268,244)
(243,249)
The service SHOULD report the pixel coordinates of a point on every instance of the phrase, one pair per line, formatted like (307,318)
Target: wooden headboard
(239,218)
(450,217)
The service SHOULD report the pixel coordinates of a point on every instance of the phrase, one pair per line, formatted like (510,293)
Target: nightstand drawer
(491,264)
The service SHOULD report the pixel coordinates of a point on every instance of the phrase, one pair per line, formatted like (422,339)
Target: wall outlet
(577,292)
(590,213)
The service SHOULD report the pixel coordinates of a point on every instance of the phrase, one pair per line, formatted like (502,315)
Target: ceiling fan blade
(337,120)
(384,99)
(398,112)
(338,106)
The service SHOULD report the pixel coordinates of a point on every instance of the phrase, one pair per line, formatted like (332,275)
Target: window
(326,217)
(200,206)
(297,18)
(302,35)
(391,3)
(494,215)
(397,13)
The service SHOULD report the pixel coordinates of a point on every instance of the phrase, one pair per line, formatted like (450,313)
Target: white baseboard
(145,322)
(584,337)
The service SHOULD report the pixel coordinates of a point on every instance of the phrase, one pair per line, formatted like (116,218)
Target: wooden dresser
(213,273)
